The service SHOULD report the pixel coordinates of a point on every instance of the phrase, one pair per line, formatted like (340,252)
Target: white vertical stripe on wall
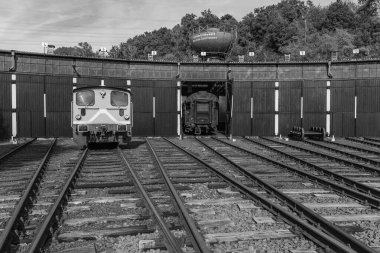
(14,124)
(356,106)
(301,107)
(154,107)
(178,100)
(328,97)
(276,124)
(45,105)
(251,107)
(276,100)
(328,123)
(178,124)
(14,95)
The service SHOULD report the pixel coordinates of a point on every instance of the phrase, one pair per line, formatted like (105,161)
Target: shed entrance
(222,90)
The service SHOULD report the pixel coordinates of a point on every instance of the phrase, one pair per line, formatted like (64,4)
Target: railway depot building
(254,98)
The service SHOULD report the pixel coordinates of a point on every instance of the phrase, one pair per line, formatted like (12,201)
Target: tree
(339,15)
(83,49)
(208,19)
(269,31)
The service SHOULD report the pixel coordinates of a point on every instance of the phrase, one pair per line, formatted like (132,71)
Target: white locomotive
(101,114)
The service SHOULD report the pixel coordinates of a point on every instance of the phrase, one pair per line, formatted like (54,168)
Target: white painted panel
(328,123)
(276,124)
(44,105)
(154,107)
(276,100)
(328,102)
(179,100)
(14,124)
(178,124)
(14,95)
(251,107)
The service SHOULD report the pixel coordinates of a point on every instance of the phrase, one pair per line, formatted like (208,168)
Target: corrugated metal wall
(5,106)
(165,92)
(263,108)
(164,120)
(314,97)
(143,123)
(289,105)
(30,106)
(242,108)
(58,106)
(368,107)
(342,107)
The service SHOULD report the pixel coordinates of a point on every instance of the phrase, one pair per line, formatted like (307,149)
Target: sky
(25,24)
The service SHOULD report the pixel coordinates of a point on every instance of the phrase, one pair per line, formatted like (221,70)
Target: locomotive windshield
(202,107)
(85,98)
(119,98)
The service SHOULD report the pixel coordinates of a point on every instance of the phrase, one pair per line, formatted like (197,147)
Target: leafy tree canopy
(287,27)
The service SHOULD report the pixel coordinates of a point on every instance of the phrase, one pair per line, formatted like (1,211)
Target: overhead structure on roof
(213,43)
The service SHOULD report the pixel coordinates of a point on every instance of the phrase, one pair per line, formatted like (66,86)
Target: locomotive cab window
(85,98)
(119,98)
(202,107)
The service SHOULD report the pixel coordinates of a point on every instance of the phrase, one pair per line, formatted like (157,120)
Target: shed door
(165,121)
(143,123)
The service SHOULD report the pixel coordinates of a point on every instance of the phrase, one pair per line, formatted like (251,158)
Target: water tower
(213,43)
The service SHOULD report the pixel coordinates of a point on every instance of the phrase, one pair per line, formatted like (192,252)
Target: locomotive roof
(202,95)
(101,87)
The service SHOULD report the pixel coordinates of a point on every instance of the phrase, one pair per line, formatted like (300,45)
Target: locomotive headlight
(126,117)
(78,117)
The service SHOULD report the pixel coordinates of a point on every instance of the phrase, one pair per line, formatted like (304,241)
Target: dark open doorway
(190,89)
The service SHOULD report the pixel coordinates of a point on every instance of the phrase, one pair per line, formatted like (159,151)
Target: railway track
(374,139)
(352,172)
(21,171)
(258,212)
(368,222)
(364,141)
(318,203)
(176,196)
(358,152)
(111,208)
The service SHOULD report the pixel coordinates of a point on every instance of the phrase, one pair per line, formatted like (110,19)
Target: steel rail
(341,160)
(12,151)
(198,241)
(51,221)
(23,205)
(362,149)
(371,143)
(370,194)
(317,220)
(371,139)
(368,160)
(171,240)
(321,238)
